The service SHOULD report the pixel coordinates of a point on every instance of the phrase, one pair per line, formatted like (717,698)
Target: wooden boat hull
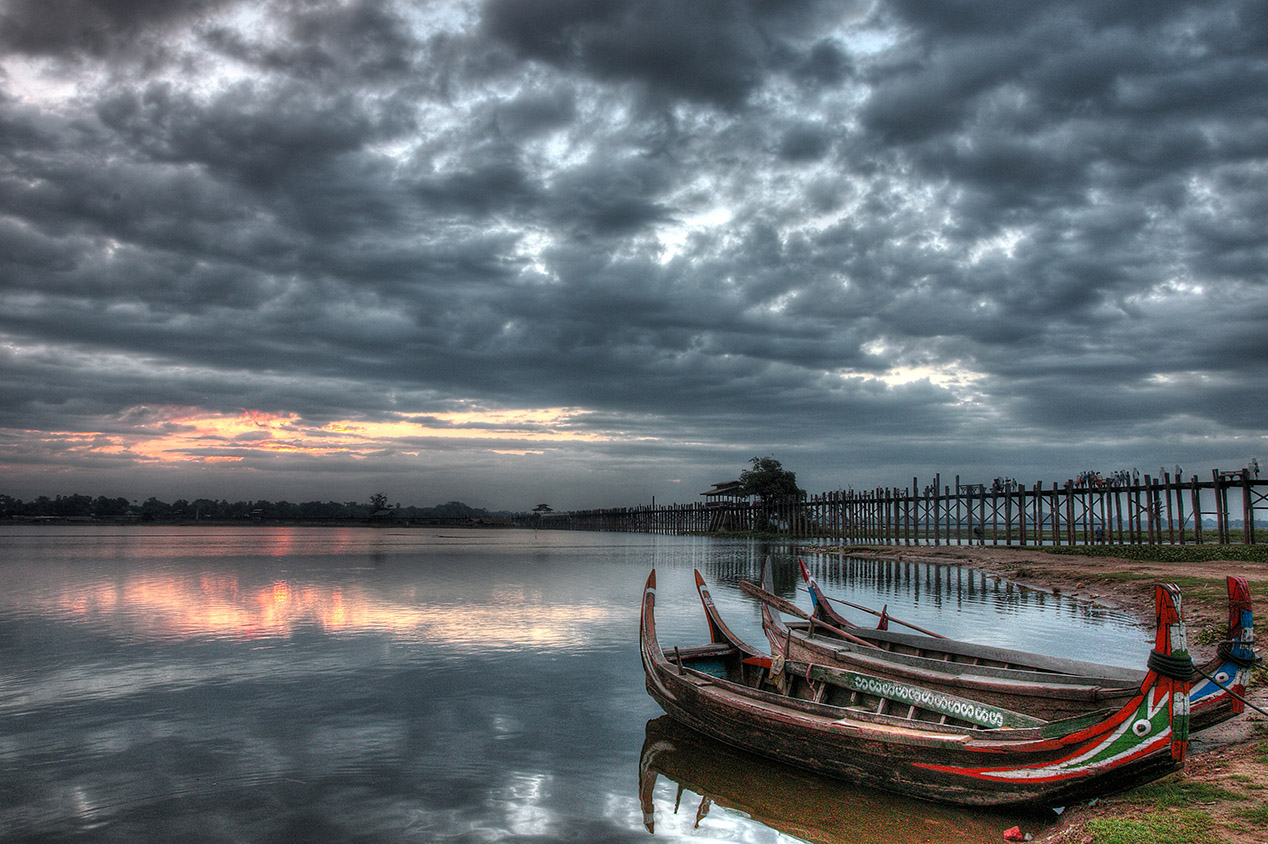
(1217,696)
(1038,685)
(1048,766)
(795,802)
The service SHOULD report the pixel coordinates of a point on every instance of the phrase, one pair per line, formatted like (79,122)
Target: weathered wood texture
(1131,511)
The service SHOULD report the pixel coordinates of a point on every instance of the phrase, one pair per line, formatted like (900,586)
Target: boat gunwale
(967,672)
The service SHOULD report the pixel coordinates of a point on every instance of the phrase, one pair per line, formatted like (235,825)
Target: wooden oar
(792,609)
(805,573)
(882,615)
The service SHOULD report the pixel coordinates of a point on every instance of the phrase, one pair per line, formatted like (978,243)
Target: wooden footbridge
(1126,509)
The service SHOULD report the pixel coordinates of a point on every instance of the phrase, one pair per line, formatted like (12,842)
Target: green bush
(1166,553)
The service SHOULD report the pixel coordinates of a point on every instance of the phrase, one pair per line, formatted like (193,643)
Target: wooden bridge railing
(1124,511)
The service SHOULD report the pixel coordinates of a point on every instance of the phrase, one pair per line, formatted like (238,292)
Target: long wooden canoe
(904,738)
(1035,684)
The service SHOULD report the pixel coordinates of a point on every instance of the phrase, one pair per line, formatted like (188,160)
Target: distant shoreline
(54,521)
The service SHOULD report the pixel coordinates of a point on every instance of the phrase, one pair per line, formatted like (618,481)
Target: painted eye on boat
(1142,727)
(1221,677)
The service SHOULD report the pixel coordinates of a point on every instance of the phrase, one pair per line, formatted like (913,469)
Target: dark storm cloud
(611,200)
(804,143)
(713,51)
(91,27)
(873,240)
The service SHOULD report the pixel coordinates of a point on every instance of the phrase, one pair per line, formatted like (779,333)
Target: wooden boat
(903,738)
(1219,693)
(711,776)
(1035,684)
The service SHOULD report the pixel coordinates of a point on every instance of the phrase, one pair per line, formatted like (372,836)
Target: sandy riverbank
(1226,774)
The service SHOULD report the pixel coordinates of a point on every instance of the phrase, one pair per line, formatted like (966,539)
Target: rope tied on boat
(810,683)
(1174,667)
(1224,650)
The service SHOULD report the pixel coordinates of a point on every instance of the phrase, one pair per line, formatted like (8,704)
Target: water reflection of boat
(1035,684)
(902,738)
(795,802)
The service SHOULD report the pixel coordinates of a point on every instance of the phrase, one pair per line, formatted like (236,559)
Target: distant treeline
(102,508)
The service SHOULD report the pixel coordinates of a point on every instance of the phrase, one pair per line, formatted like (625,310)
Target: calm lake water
(373,685)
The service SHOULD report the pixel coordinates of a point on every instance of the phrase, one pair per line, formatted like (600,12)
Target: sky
(593,253)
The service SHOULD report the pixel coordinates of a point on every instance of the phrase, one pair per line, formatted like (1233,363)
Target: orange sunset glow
(174,435)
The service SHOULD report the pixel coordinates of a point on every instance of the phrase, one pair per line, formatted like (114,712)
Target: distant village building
(724,492)
(722,498)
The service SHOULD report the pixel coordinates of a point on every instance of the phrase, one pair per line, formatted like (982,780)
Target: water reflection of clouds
(520,802)
(222,606)
(684,815)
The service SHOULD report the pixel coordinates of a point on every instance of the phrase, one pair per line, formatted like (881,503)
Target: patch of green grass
(1215,586)
(1182,826)
(1207,635)
(1178,793)
(1256,815)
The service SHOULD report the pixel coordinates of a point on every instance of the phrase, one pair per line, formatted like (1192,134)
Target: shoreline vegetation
(83,509)
(402,522)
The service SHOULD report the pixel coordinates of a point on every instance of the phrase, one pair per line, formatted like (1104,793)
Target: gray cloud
(875,241)
(93,28)
(711,52)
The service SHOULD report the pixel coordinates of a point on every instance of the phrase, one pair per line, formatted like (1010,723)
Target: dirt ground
(1231,757)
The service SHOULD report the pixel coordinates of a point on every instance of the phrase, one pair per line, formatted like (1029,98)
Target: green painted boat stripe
(1073,724)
